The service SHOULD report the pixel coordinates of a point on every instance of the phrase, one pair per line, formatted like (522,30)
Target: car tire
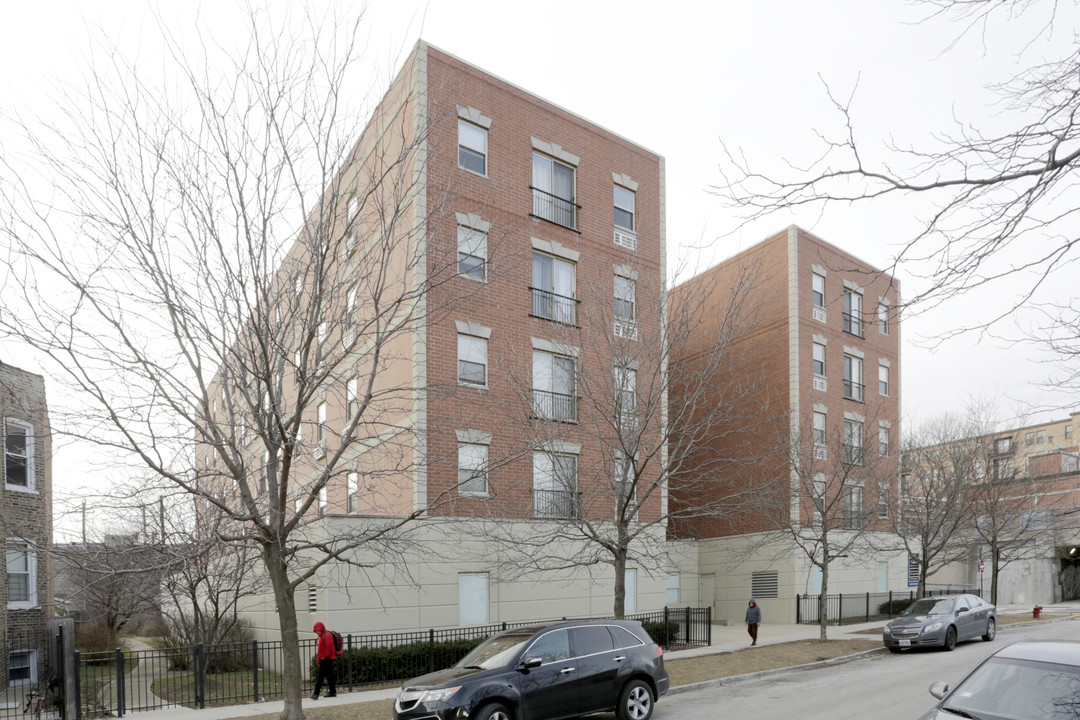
(494,711)
(950,639)
(893,648)
(991,630)
(635,701)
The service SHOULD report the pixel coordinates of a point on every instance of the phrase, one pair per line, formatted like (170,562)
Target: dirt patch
(764,657)
(373,710)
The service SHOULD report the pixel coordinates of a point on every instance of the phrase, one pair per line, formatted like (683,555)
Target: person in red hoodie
(326,653)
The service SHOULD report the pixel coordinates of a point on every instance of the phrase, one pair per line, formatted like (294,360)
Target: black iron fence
(122,681)
(550,306)
(864,607)
(34,674)
(554,208)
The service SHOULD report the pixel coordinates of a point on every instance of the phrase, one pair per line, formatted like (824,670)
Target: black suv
(545,672)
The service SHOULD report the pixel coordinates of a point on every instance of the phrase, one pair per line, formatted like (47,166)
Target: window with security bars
(765,584)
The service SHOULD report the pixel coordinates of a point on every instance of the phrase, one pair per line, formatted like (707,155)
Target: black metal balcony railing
(853,390)
(853,324)
(854,454)
(550,306)
(556,504)
(554,406)
(559,210)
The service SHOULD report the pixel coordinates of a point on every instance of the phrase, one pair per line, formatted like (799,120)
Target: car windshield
(929,606)
(495,652)
(1019,690)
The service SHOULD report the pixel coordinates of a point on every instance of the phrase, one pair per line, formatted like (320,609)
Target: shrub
(663,634)
(368,665)
(95,636)
(232,653)
(894,607)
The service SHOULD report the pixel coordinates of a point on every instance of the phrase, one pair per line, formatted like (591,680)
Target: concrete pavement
(725,638)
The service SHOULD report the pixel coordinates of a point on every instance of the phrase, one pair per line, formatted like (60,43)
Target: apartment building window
(1040,437)
(625,487)
(352,491)
(1003,445)
(819,359)
(472,469)
(555,485)
(21,576)
(853,508)
(1029,439)
(624,208)
(352,401)
(321,426)
(625,297)
(817,290)
(818,498)
(1003,468)
(672,588)
(320,337)
(553,283)
(352,209)
(472,253)
(554,385)
(472,360)
(883,500)
(883,318)
(853,312)
(18,455)
(553,191)
(1068,432)
(322,501)
(472,598)
(853,387)
(883,441)
(348,337)
(22,668)
(264,475)
(820,448)
(472,147)
(626,397)
(883,380)
(853,442)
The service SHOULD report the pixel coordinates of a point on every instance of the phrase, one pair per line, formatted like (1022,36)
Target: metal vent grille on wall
(312,599)
(626,240)
(765,584)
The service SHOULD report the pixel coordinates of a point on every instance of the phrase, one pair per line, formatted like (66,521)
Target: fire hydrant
(1036,611)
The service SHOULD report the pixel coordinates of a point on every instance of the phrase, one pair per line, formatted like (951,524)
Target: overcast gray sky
(676,77)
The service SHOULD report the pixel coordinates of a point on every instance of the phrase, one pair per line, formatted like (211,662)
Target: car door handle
(620,658)
(567,671)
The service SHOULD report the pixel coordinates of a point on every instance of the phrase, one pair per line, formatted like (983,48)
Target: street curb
(736,679)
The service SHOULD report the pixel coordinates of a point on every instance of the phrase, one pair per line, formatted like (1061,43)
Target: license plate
(905,643)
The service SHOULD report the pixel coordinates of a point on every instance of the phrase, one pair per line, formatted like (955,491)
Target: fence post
(504,625)
(255,671)
(708,625)
(431,650)
(78,687)
(686,639)
(840,611)
(200,678)
(120,690)
(867,607)
(798,609)
(349,659)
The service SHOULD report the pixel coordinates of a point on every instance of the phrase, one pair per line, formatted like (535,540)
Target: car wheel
(950,639)
(494,711)
(893,648)
(635,702)
(991,630)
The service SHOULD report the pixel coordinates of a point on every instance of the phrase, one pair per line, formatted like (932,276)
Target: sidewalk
(725,638)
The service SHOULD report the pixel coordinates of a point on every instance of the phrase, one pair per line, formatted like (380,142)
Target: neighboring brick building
(543,243)
(820,352)
(26,520)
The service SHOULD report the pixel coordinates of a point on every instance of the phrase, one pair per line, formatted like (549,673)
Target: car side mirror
(532,663)
(939,689)
(962,610)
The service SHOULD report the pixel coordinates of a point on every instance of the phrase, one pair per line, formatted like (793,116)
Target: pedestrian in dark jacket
(753,619)
(325,653)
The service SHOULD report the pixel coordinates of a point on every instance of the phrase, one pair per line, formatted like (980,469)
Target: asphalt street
(883,687)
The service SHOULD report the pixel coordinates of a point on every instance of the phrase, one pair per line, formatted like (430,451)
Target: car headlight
(933,627)
(440,695)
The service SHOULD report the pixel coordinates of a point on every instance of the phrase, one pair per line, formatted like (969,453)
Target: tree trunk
(995,559)
(620,583)
(921,590)
(823,620)
(290,640)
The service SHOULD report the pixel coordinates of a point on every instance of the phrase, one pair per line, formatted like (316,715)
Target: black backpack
(339,642)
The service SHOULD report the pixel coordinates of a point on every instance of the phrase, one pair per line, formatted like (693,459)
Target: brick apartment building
(822,359)
(26,519)
(542,245)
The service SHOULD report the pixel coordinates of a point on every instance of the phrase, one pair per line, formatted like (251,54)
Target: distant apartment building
(26,519)
(820,359)
(548,232)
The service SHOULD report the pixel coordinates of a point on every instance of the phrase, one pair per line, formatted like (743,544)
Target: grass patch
(221,688)
(687,671)
(372,710)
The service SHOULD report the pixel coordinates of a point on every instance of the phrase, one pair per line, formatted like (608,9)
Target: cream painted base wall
(420,589)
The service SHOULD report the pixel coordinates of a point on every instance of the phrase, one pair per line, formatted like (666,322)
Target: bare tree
(640,425)
(996,194)
(213,264)
(937,477)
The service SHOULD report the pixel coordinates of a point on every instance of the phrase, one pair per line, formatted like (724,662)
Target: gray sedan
(941,622)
